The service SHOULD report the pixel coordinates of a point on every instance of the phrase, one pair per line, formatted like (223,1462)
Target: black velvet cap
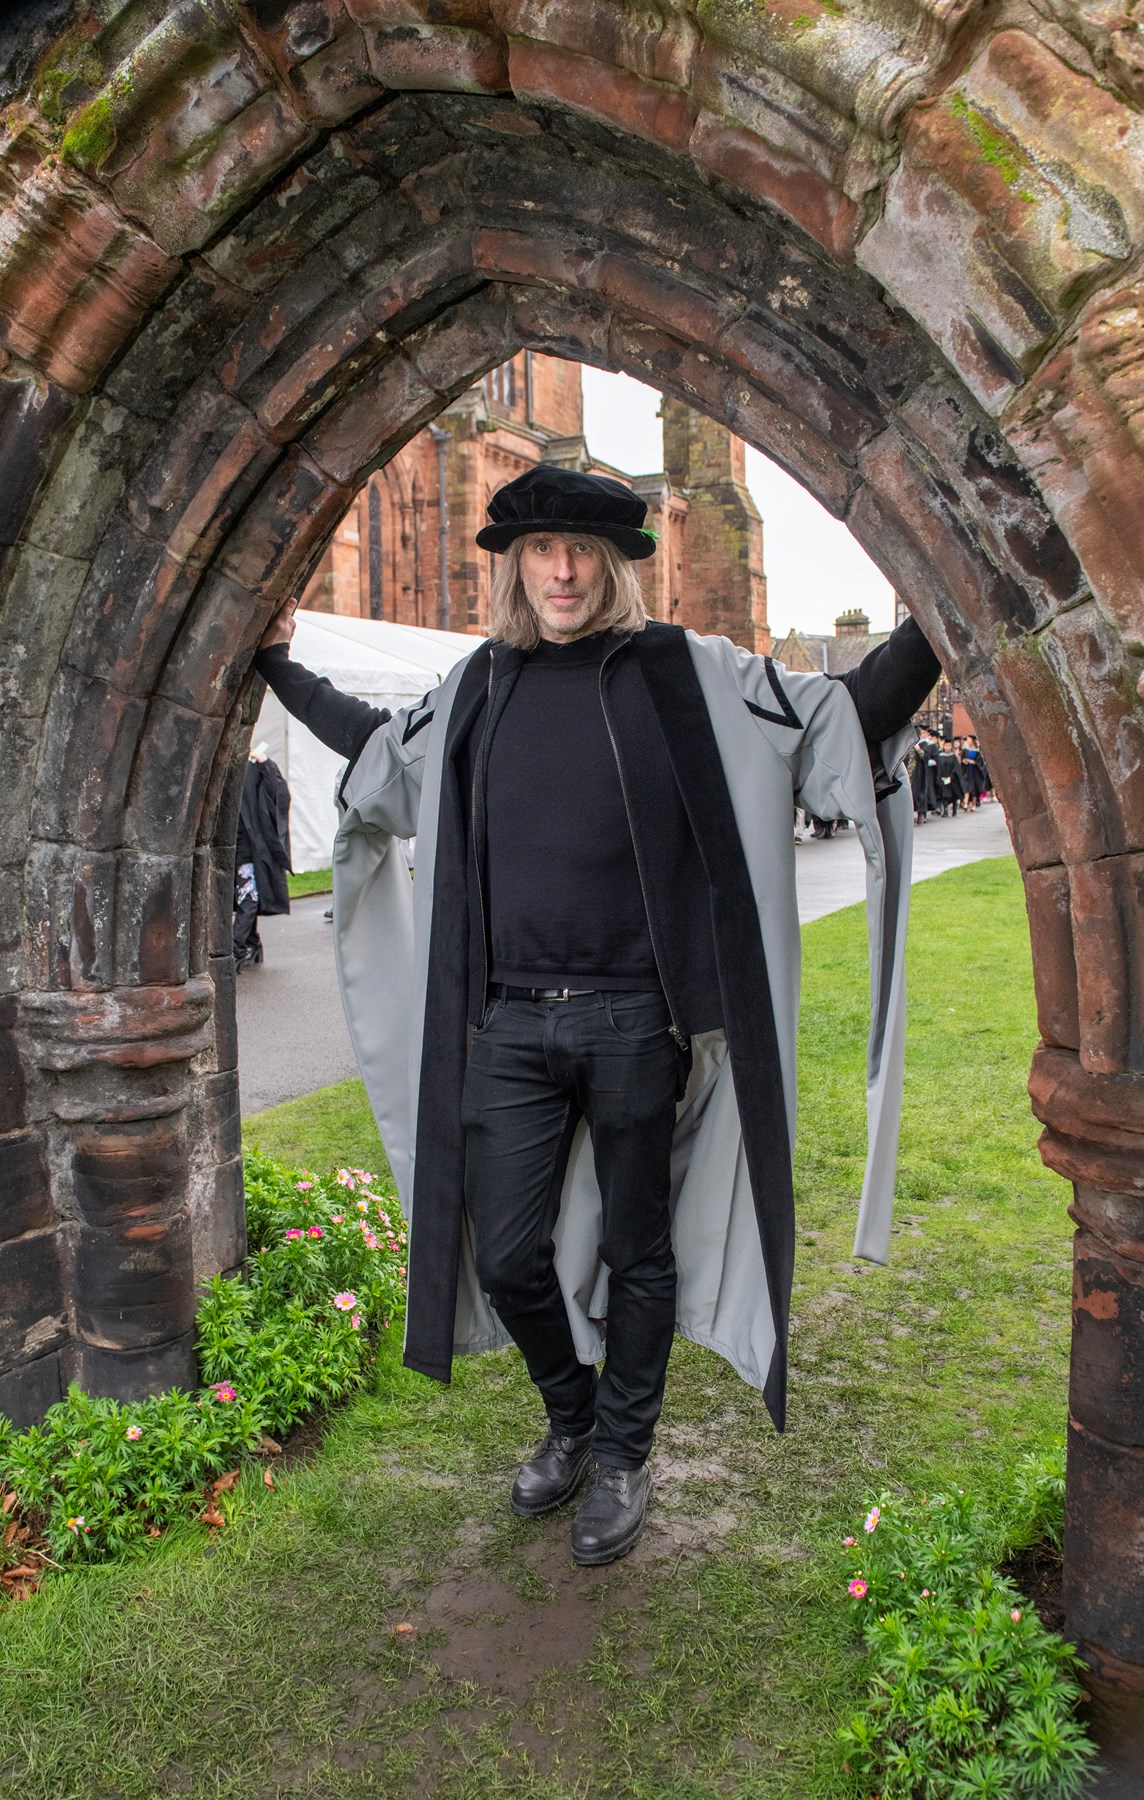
(551,499)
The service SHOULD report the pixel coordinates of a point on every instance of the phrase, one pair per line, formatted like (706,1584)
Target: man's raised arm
(890,683)
(340,721)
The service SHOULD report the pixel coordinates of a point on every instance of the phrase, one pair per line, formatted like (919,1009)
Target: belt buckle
(556,993)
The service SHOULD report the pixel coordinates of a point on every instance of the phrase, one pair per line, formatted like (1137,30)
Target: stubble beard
(565,626)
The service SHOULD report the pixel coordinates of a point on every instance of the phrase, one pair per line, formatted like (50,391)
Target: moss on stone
(90,138)
(998,151)
(71,60)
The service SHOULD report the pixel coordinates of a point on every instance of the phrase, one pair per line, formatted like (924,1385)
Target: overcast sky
(814,568)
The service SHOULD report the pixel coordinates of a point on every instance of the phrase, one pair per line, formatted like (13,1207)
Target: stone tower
(721,552)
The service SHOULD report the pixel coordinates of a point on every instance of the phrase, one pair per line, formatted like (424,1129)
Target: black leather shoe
(552,1474)
(612,1514)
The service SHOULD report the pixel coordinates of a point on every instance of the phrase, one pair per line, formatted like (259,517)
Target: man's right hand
(281,627)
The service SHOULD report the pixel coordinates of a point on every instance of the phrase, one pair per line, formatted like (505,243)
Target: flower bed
(291,1332)
(971,1698)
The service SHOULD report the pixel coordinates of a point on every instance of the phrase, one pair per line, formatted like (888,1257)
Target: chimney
(854,623)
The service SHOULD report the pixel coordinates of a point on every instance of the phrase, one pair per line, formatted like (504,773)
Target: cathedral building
(404,553)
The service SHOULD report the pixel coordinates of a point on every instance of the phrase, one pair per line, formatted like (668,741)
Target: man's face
(564,583)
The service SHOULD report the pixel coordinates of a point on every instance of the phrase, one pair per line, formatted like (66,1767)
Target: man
(602,931)
(949,784)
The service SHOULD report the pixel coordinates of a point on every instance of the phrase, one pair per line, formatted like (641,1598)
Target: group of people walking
(948,777)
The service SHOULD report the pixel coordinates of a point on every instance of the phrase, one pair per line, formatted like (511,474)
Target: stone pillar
(1094,1137)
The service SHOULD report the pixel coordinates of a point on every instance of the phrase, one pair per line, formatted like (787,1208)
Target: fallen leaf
(404,1629)
(7,1503)
(268,1477)
(268,1447)
(224,1483)
(10,1531)
(22,1572)
(212,1516)
(154,1531)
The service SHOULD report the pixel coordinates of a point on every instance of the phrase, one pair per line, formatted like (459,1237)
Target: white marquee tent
(388,665)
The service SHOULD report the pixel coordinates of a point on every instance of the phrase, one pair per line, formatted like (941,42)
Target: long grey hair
(512,619)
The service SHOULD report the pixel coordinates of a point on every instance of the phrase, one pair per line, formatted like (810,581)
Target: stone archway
(250,246)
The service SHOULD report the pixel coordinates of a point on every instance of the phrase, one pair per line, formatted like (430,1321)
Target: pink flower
(345,1302)
(925,1593)
(133,1432)
(303,1185)
(872,1517)
(315,1231)
(363,1205)
(345,1179)
(848,1541)
(222,1390)
(337,1218)
(856,1588)
(401,1268)
(76,1525)
(1015,1615)
(292,1234)
(356,1321)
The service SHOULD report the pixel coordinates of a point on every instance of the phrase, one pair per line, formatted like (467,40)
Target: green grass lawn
(314,881)
(718,1659)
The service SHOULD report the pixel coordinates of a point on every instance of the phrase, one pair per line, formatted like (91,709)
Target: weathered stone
(70,898)
(1047,902)
(222,975)
(32,416)
(99,458)
(208,660)
(128,609)
(38,594)
(1117,1220)
(180,337)
(13,1096)
(1091,664)
(76,280)
(125,1174)
(219,1225)
(89,741)
(561,324)
(743,159)
(658,41)
(388,406)
(126,1028)
(463,342)
(25,1190)
(198,129)
(302,212)
(11,915)
(200,474)
(1078,427)
(172,769)
(1104,1547)
(1106,1385)
(131,1373)
(31,1310)
(318,53)
(1108,934)
(1071,768)
(152,919)
(648,109)
(27,1392)
(296,507)
(448,58)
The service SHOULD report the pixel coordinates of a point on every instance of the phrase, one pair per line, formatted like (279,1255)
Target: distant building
(399,555)
(943,713)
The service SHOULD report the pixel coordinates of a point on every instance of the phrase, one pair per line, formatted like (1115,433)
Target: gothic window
(375,611)
(500,384)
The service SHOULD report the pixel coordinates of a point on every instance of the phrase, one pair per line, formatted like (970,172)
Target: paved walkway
(292,1036)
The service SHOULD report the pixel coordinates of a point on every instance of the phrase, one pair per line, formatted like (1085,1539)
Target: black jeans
(535,1068)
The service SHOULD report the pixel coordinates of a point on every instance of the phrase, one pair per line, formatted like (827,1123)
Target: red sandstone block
(654,294)
(304,378)
(129,609)
(131,1028)
(131,1374)
(70,900)
(846,419)
(404,292)
(1048,904)
(1116,1219)
(1108,933)
(304,210)
(210,655)
(152,919)
(77,278)
(129,1171)
(169,781)
(25,1186)
(33,417)
(293,512)
(1067,758)
(13,1111)
(90,737)
(1097,1164)
(749,163)
(568,325)
(386,408)
(791,441)
(1077,427)
(1106,1108)
(658,43)
(200,474)
(1090,657)
(1104,1549)
(650,109)
(463,342)
(134,1282)
(524,256)
(319,54)
(443,58)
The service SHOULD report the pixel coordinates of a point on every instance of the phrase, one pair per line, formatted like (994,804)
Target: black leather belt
(501,991)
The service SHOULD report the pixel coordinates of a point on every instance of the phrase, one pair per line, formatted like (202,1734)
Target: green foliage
(999,152)
(971,1698)
(291,1332)
(311,881)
